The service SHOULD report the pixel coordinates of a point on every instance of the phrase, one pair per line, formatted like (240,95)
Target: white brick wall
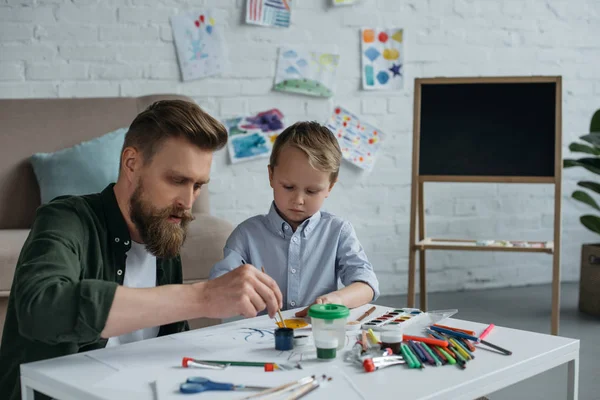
(53,48)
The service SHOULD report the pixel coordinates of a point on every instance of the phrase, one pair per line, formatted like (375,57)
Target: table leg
(573,379)
(27,393)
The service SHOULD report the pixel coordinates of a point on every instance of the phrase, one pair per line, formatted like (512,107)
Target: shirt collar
(283,229)
(117,227)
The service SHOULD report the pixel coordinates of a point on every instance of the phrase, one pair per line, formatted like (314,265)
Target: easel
(420,243)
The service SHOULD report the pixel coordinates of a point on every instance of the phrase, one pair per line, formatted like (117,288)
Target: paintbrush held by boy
(305,250)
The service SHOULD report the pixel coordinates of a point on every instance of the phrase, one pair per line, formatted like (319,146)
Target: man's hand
(244,291)
(331,298)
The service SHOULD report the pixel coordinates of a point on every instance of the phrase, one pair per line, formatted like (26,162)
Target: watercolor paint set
(405,318)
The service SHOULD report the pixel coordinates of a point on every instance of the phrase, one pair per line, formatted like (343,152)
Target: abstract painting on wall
(306,72)
(360,142)
(269,12)
(252,137)
(200,46)
(382,58)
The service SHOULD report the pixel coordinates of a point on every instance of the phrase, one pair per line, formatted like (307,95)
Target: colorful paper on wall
(306,72)
(199,43)
(269,12)
(252,137)
(360,142)
(382,58)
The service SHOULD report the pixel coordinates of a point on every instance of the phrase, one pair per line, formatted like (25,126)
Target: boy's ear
(331,185)
(270,174)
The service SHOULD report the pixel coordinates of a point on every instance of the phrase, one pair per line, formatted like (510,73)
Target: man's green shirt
(65,281)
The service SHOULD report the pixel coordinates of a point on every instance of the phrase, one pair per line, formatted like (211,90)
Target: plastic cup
(329,322)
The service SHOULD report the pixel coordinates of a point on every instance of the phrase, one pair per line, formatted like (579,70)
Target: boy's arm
(234,255)
(355,272)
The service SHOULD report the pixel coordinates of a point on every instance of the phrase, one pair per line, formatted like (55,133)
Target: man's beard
(162,238)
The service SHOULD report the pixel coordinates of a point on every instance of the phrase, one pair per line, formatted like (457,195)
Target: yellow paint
(294,323)
(211,20)
(372,337)
(397,36)
(327,59)
(391,54)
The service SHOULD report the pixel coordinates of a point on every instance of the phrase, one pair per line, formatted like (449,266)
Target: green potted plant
(589,282)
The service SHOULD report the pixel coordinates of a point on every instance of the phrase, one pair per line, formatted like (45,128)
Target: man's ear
(270,174)
(130,162)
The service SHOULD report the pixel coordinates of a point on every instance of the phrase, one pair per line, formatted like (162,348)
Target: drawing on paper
(253,136)
(360,142)
(382,58)
(306,72)
(269,12)
(343,2)
(199,43)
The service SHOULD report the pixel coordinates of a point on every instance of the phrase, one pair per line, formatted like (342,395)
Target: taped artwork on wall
(360,142)
(199,42)
(252,137)
(269,12)
(382,58)
(306,72)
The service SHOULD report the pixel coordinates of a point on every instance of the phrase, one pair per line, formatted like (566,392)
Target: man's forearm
(134,309)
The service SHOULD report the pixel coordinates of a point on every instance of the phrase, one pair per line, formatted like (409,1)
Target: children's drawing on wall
(199,43)
(382,58)
(269,12)
(359,141)
(306,72)
(252,137)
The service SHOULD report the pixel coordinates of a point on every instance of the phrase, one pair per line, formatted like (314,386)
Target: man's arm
(243,291)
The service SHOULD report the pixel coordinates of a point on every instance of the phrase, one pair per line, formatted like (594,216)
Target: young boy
(303,249)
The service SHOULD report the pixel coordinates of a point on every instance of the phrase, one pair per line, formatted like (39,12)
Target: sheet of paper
(382,58)
(306,71)
(269,12)
(252,136)
(163,383)
(360,142)
(201,48)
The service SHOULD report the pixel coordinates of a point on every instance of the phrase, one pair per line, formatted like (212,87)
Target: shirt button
(292,303)
(295,240)
(116,240)
(293,270)
(286,227)
(120,272)
(126,243)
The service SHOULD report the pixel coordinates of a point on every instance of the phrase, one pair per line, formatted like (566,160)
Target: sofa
(30,126)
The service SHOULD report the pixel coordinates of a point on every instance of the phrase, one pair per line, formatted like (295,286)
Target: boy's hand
(331,298)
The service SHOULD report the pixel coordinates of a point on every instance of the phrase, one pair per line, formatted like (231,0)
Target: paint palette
(407,318)
(294,323)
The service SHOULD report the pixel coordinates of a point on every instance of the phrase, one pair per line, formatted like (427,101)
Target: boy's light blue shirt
(305,264)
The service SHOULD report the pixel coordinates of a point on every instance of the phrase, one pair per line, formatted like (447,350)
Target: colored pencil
(436,360)
(435,342)
(454,333)
(472,333)
(439,354)
(486,331)
(467,344)
(446,354)
(407,357)
(493,346)
(418,351)
(414,357)
(460,349)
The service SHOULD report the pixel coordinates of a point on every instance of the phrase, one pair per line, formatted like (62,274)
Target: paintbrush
(278,310)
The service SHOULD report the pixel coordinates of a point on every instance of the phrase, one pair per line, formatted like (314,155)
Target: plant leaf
(593,138)
(585,198)
(589,163)
(590,185)
(595,124)
(591,222)
(584,148)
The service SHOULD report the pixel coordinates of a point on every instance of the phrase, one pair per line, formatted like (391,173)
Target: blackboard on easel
(485,129)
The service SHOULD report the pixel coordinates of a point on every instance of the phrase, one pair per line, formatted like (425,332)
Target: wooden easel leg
(410,301)
(556,261)
(422,271)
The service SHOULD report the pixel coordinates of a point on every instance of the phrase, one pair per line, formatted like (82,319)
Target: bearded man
(104,269)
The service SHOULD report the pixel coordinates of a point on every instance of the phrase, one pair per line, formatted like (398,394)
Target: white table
(126,372)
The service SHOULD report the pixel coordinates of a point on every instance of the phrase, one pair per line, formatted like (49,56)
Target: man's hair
(174,119)
(316,141)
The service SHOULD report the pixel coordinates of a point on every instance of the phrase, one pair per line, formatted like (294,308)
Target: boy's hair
(316,141)
(174,119)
